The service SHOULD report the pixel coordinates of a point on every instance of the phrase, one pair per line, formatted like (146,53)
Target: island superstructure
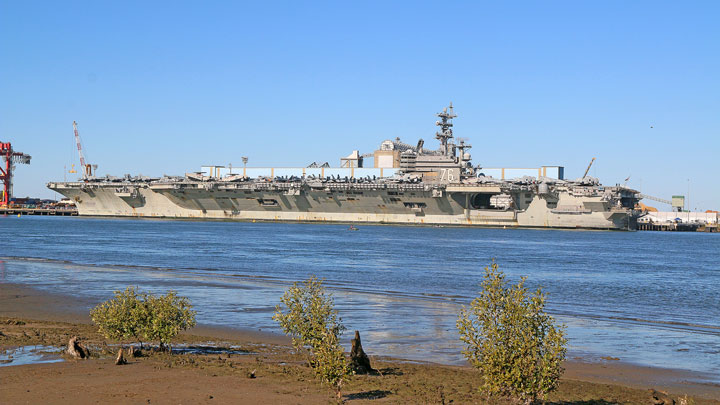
(408,184)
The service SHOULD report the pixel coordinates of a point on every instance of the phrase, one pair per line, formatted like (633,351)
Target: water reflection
(34,354)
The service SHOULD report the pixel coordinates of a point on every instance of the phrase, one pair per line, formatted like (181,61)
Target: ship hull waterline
(410,207)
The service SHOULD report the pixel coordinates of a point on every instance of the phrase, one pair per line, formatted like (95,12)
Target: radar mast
(445,132)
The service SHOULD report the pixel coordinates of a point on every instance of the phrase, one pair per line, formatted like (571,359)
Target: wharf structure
(36,206)
(408,184)
(679,221)
(60,212)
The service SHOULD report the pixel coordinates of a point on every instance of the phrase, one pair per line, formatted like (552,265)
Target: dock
(65,212)
(679,221)
(672,227)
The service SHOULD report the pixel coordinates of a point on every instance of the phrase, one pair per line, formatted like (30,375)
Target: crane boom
(79,145)
(87,168)
(588,168)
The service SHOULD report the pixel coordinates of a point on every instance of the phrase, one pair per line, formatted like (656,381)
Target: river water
(650,298)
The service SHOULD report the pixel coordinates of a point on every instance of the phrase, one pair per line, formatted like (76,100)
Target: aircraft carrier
(407,185)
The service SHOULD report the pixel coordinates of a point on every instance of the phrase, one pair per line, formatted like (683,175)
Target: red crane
(10,158)
(87,169)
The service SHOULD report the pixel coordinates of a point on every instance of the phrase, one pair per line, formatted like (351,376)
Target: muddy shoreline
(24,302)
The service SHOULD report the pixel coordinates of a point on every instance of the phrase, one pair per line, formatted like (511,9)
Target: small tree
(307,314)
(123,317)
(143,316)
(517,347)
(170,314)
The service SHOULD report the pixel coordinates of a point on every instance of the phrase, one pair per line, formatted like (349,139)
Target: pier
(679,221)
(677,227)
(38,211)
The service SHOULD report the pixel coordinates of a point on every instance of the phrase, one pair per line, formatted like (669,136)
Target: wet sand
(21,301)
(111,384)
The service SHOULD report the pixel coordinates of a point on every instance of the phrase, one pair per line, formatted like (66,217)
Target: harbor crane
(87,168)
(10,158)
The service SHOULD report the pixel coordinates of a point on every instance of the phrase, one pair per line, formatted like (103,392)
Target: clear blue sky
(167,87)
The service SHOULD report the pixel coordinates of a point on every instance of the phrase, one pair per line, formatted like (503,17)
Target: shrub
(123,317)
(517,347)
(143,316)
(307,314)
(169,314)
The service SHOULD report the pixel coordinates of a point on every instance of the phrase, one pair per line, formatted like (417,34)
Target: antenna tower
(445,125)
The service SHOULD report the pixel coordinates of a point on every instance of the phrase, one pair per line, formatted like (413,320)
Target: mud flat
(217,364)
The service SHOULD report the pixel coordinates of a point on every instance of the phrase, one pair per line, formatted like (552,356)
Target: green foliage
(123,317)
(307,314)
(143,316)
(517,347)
(169,314)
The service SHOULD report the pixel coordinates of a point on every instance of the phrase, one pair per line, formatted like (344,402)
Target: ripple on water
(644,297)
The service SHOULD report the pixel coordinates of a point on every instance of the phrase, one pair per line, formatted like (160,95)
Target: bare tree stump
(120,360)
(359,361)
(661,398)
(133,352)
(76,350)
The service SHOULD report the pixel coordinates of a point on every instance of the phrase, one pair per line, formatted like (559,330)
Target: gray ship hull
(401,204)
(408,185)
